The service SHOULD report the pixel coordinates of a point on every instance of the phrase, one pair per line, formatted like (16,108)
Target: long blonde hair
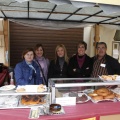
(65,52)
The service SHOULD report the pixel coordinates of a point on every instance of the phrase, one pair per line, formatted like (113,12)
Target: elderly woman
(80,64)
(42,61)
(27,72)
(58,66)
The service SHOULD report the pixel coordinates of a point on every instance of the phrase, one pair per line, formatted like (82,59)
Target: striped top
(99,67)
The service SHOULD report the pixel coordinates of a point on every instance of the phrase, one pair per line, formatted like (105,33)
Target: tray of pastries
(102,94)
(31,88)
(110,78)
(32,100)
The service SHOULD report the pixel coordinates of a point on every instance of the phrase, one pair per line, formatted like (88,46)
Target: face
(29,56)
(60,52)
(101,50)
(39,52)
(81,49)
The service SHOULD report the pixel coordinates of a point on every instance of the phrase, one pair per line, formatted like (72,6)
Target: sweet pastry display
(32,99)
(102,94)
(54,108)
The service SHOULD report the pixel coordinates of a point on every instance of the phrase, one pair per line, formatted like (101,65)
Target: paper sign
(93,118)
(66,101)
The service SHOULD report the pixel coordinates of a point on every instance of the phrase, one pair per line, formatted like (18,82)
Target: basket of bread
(111,78)
(102,94)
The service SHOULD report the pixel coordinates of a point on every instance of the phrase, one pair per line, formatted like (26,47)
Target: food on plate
(102,94)
(40,88)
(82,98)
(109,77)
(21,90)
(54,108)
(32,99)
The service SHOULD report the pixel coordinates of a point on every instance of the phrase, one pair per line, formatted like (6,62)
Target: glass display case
(13,99)
(61,87)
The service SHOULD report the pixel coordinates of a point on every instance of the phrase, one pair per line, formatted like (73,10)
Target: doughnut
(102,91)
(110,96)
(92,94)
(97,98)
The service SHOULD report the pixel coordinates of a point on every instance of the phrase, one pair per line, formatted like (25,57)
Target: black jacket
(84,71)
(112,65)
(55,71)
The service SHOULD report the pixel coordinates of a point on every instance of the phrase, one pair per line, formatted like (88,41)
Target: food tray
(30,88)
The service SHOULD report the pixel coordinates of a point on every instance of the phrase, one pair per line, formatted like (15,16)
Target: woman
(58,66)
(27,72)
(80,64)
(41,61)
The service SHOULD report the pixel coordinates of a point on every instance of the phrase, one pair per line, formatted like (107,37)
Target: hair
(101,43)
(37,46)
(82,43)
(65,52)
(26,51)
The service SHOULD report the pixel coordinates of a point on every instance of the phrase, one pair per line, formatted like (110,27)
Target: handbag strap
(46,83)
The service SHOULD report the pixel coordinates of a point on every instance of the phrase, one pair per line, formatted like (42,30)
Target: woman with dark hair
(27,72)
(80,64)
(42,61)
(58,66)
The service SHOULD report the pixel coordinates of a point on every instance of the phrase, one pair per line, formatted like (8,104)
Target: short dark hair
(82,43)
(37,46)
(26,51)
(101,43)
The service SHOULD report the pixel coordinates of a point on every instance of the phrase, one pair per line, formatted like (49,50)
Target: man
(104,64)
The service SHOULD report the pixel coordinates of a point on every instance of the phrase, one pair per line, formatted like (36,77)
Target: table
(3,76)
(78,112)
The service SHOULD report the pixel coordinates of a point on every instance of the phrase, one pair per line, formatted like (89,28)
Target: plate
(30,88)
(116,80)
(7,87)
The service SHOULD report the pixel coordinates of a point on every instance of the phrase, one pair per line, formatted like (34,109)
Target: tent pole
(96,38)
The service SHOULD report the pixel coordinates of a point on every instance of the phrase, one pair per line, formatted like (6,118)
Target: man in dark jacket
(103,63)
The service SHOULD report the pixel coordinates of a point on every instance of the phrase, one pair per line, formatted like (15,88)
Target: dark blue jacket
(24,75)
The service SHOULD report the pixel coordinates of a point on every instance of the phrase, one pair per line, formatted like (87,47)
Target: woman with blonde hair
(58,66)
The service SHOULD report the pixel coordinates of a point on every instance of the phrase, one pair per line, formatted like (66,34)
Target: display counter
(78,112)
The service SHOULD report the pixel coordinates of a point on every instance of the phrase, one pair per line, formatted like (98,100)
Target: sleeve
(116,67)
(19,75)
